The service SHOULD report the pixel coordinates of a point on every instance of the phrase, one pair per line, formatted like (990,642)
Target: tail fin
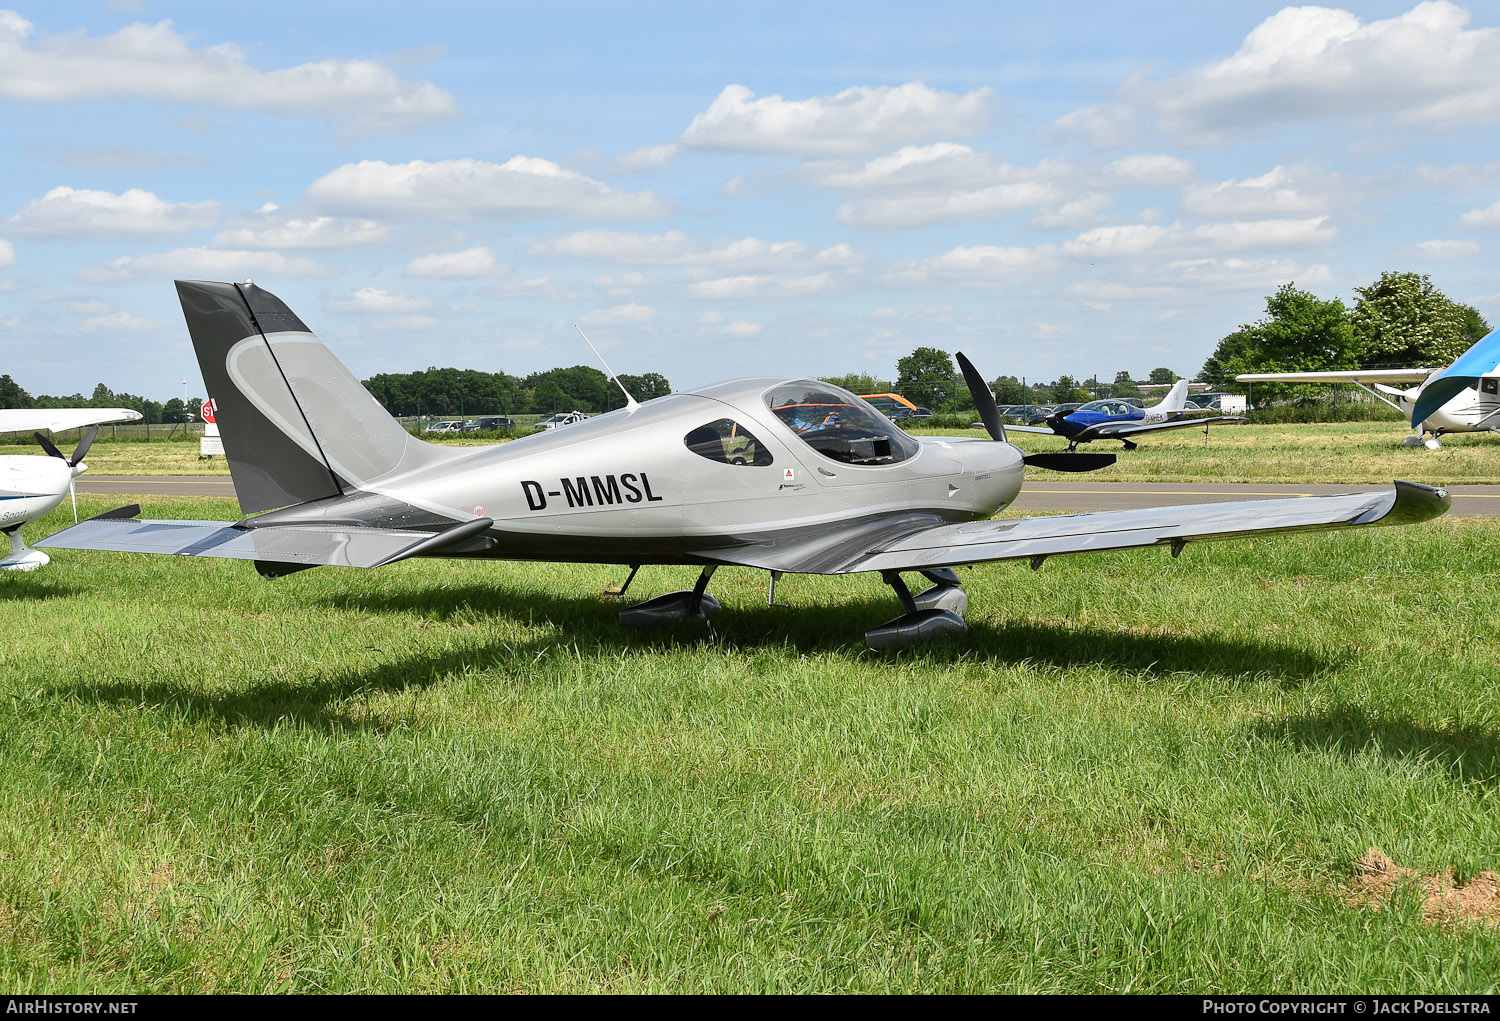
(296,424)
(1175,400)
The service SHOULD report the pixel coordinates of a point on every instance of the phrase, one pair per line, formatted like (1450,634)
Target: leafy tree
(926,377)
(11,394)
(1402,319)
(1065,390)
(1162,375)
(1125,386)
(174,410)
(859,383)
(1008,390)
(1300,332)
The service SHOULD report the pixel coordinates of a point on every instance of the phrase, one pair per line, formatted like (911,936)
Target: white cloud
(652,157)
(1125,240)
(117,322)
(974,265)
(1267,233)
(471,262)
(206,263)
(1278,192)
(1422,67)
(1486,217)
(521,188)
(713,315)
(741,328)
(1149,170)
(856,120)
(1105,126)
(76,212)
(921,210)
(762,285)
(678,248)
(274,228)
(1446,249)
(620,315)
(143,61)
(7,254)
(373,299)
(1245,274)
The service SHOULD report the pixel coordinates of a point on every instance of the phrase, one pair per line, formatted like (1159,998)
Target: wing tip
(1412,503)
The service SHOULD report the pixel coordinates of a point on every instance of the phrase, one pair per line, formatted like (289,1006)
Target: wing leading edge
(1009,539)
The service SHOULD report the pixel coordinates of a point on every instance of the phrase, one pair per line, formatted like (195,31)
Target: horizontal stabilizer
(305,545)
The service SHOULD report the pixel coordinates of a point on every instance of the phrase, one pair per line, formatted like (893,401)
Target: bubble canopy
(838,424)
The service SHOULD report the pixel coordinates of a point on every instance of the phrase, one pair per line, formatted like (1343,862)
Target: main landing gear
(936,610)
(674,607)
(929,614)
(22,557)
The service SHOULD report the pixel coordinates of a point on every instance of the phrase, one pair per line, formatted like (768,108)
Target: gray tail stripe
(338,484)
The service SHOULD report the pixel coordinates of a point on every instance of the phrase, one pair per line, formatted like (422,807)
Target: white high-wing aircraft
(31,486)
(1466,400)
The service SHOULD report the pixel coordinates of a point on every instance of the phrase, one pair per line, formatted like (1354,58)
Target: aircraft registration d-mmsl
(780,474)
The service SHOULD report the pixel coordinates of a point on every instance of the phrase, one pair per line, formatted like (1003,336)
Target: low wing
(1110,430)
(1030,429)
(915,542)
(297,545)
(982,541)
(25,420)
(1342,376)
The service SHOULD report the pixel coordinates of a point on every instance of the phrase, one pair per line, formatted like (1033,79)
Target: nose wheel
(674,607)
(22,557)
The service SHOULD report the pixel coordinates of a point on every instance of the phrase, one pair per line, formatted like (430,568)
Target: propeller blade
(83,446)
(1059,462)
(74,495)
(49,446)
(984,401)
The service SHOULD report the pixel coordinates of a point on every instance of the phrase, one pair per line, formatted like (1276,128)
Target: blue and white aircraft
(1113,419)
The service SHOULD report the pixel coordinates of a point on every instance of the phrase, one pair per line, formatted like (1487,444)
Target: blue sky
(716,190)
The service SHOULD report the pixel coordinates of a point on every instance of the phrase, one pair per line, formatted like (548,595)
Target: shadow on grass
(31,585)
(1471,755)
(581,628)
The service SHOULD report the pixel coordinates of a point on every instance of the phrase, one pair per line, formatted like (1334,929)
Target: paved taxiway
(1041,495)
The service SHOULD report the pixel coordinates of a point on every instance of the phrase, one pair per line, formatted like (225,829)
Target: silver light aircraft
(1462,398)
(774,473)
(31,486)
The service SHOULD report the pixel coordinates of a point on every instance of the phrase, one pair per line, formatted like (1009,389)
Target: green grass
(1132,773)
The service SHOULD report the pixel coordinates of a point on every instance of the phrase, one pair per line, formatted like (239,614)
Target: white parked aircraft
(1466,400)
(31,486)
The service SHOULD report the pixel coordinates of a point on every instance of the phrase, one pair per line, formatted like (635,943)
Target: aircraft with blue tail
(1462,398)
(1115,419)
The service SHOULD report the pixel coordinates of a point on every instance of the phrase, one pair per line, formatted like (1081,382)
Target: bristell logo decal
(789,476)
(479,512)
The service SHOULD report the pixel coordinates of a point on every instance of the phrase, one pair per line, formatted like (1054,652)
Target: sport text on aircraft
(781,474)
(31,486)
(1116,420)
(1463,398)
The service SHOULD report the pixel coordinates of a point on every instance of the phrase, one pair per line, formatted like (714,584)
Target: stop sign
(208,412)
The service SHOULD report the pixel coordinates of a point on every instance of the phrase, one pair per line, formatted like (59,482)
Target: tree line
(431,391)
(468,392)
(1400,321)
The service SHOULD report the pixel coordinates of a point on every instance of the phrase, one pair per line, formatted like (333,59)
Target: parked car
(909,414)
(490,423)
(560,419)
(443,427)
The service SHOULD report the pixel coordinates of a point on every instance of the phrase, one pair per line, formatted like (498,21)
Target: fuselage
(1470,410)
(720,467)
(31,486)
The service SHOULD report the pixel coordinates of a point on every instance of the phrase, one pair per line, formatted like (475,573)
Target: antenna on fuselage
(630,402)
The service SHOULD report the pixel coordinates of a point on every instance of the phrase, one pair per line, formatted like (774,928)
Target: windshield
(839,425)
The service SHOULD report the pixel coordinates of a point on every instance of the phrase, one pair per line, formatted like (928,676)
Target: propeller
(989,412)
(984,401)
(75,462)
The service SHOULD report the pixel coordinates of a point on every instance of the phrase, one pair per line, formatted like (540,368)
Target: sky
(715,190)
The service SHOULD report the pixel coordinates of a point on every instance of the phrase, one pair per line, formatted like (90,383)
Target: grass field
(1132,773)
(1328,452)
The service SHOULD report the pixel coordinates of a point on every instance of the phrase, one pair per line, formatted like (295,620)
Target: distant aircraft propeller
(989,413)
(75,462)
